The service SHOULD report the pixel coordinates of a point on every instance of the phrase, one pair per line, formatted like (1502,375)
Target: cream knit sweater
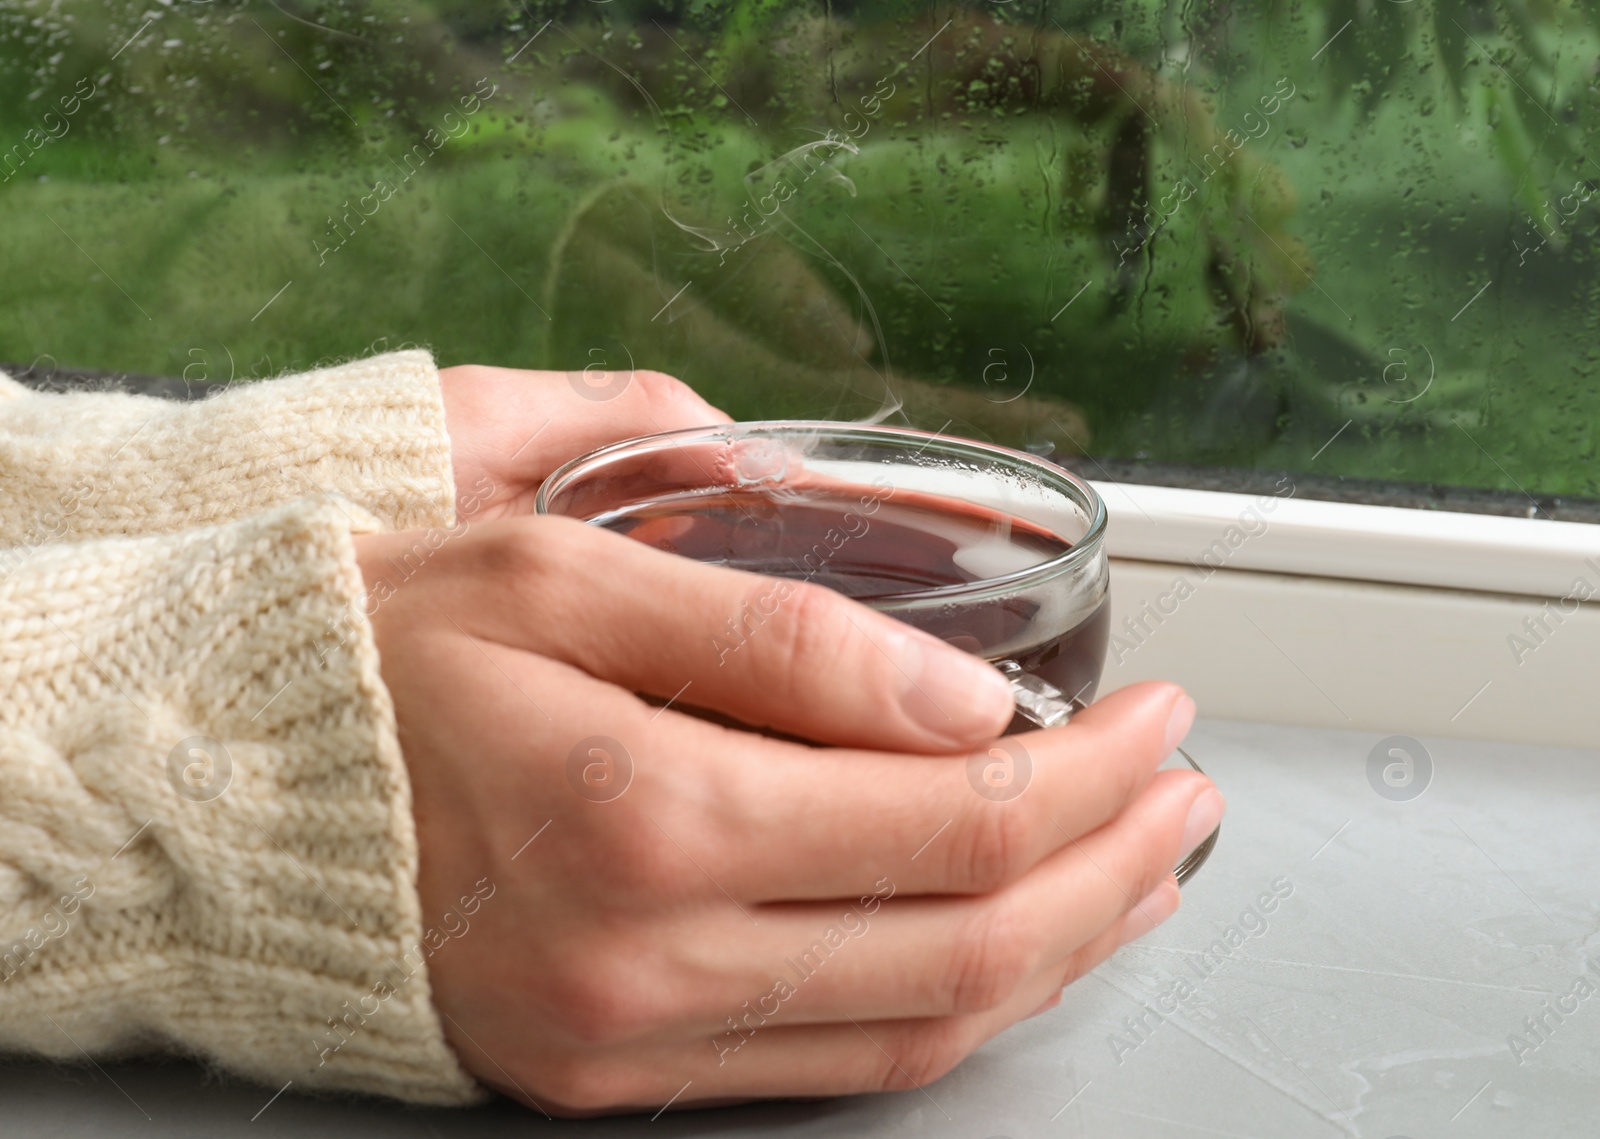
(206,841)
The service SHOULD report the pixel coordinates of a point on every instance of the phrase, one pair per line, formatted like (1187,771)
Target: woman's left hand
(514,427)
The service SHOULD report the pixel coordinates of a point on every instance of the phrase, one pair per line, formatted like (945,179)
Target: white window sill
(1368,617)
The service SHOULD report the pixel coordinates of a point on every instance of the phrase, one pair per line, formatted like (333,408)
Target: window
(1331,238)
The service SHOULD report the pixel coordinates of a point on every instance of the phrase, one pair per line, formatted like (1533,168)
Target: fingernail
(952,694)
(1156,907)
(1179,723)
(1204,815)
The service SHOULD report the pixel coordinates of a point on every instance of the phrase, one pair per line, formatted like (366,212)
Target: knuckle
(1147,871)
(1111,770)
(639,863)
(520,551)
(921,1055)
(1126,870)
(993,954)
(661,388)
(808,631)
(1081,961)
(1129,774)
(1110,773)
(596,1000)
(578,1084)
(998,841)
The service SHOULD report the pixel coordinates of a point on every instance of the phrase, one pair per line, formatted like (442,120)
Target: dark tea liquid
(871,543)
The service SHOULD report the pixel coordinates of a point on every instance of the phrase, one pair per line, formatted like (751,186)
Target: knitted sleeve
(85,465)
(206,839)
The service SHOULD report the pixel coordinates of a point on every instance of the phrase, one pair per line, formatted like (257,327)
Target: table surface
(1387,992)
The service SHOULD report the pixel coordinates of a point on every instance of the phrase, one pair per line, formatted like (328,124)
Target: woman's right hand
(645,906)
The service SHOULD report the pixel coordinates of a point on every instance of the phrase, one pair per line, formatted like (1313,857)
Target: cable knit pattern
(83,465)
(150,896)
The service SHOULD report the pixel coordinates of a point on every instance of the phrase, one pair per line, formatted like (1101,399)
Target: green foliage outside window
(1343,237)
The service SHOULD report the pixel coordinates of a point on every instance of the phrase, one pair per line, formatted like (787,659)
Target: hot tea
(883,543)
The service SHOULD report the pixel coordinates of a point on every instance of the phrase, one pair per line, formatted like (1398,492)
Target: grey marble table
(1388,992)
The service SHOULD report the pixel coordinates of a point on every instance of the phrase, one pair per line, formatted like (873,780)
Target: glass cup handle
(1043,704)
(1038,701)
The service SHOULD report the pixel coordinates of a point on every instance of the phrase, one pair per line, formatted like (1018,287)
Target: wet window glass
(1333,237)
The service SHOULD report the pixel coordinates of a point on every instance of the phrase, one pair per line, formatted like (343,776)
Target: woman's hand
(632,905)
(515,427)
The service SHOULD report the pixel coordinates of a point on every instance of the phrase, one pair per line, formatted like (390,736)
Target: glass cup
(995,551)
